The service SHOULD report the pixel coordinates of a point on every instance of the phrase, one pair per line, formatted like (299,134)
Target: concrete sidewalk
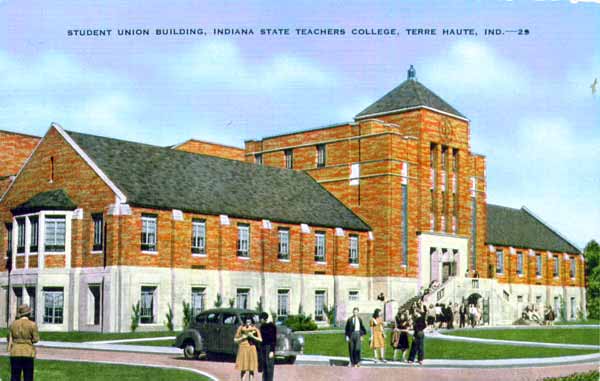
(441,336)
(325,360)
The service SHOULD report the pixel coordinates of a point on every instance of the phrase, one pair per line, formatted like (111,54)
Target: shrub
(135,316)
(274,316)
(219,301)
(188,314)
(301,323)
(169,321)
(330,313)
(231,302)
(259,305)
(587,376)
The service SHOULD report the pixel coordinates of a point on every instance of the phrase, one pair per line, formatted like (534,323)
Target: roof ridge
(547,226)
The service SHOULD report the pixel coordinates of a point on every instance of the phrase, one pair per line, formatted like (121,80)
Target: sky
(528,96)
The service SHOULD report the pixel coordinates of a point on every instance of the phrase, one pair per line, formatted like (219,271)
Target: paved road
(225,370)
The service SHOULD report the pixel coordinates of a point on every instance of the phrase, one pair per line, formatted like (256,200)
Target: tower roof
(410,94)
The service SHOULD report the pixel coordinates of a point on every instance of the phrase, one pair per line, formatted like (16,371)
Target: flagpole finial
(412,73)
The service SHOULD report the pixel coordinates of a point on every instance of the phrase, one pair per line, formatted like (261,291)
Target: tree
(591,252)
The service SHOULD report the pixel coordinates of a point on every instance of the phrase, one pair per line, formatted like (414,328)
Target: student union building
(365,213)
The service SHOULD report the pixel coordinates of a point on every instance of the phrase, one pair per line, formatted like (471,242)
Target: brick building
(386,204)
(15,148)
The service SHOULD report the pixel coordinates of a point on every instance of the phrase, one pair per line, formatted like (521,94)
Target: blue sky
(528,97)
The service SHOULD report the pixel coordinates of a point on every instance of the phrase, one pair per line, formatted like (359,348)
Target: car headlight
(300,340)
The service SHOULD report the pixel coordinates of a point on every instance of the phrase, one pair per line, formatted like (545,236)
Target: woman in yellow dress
(247,336)
(377,335)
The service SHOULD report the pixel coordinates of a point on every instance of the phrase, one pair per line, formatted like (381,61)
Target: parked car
(212,331)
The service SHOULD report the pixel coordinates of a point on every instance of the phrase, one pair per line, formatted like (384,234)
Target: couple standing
(354,332)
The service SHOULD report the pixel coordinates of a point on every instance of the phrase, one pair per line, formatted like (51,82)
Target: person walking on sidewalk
(22,334)
(418,345)
(354,331)
(268,332)
(377,335)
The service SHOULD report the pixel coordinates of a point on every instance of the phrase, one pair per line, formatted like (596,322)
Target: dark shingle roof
(163,178)
(50,200)
(409,93)
(520,228)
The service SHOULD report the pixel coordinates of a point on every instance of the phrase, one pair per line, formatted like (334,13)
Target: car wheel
(291,359)
(189,351)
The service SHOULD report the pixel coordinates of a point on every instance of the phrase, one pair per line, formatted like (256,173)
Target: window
(55,233)
(454,160)
(9,231)
(53,305)
(283,303)
(319,305)
(148,232)
(147,304)
(229,318)
(556,267)
(284,243)
(573,268)
(213,318)
(289,158)
(98,221)
(258,159)
(444,155)
(321,155)
(573,307)
(520,299)
(243,244)
(242,298)
(473,232)
(353,296)
(320,247)
(538,299)
(538,265)
(94,304)
(354,258)
(198,300)
(519,263)
(354,174)
(499,262)
(32,301)
(20,235)
(18,292)
(404,225)
(432,155)
(34,233)
(199,237)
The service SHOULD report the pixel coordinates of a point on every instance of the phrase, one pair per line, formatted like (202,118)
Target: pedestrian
(463,315)
(355,330)
(418,345)
(268,333)
(400,335)
(377,341)
(473,315)
(247,336)
(431,316)
(22,334)
(449,317)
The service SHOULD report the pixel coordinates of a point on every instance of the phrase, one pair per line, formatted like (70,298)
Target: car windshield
(249,315)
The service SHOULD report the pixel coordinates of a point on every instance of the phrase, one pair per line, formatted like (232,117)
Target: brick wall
(212,149)
(15,148)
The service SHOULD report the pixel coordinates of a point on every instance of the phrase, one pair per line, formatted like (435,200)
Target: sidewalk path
(225,371)
(441,336)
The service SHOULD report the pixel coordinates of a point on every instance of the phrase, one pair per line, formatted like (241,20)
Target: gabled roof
(520,228)
(50,200)
(163,178)
(410,94)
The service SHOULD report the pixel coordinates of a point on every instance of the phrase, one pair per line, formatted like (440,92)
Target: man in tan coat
(22,334)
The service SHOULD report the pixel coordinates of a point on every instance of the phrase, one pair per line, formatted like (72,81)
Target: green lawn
(589,336)
(65,370)
(335,345)
(79,337)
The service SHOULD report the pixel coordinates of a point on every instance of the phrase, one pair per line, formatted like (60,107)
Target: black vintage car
(212,331)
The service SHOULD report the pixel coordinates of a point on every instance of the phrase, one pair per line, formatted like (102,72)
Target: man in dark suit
(418,345)
(355,330)
(268,331)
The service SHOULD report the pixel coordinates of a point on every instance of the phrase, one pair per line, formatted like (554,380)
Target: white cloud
(221,63)
(470,67)
(54,87)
